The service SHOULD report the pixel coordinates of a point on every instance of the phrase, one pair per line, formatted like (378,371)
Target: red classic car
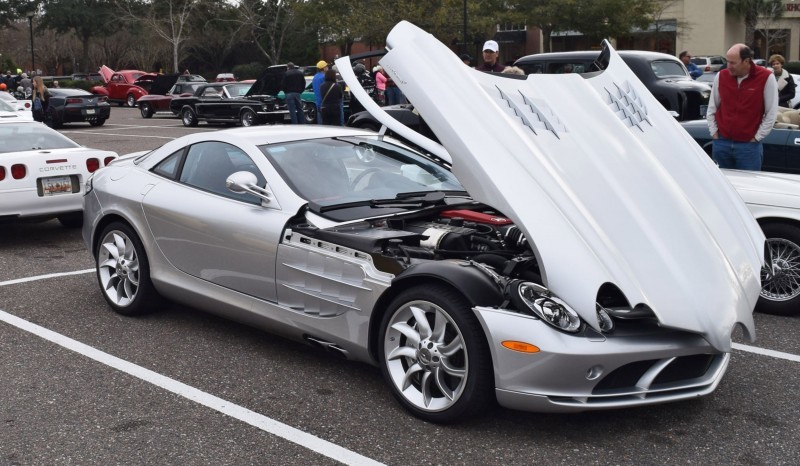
(124,87)
(164,88)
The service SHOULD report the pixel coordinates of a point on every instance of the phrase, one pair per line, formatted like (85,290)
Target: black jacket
(293,81)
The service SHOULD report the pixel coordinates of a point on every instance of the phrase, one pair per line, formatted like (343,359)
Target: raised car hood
(606,185)
(106,73)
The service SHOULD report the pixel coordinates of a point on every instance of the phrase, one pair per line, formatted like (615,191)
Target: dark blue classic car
(781,146)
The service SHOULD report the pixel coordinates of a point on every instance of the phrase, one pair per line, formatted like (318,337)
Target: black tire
(146,110)
(369,126)
(97,122)
(247,117)
(780,293)
(462,366)
(130,101)
(123,272)
(188,117)
(72,220)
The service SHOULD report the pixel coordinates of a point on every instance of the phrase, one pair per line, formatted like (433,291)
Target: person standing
(490,58)
(786,85)
(380,85)
(294,83)
(741,111)
(25,82)
(694,70)
(40,99)
(316,84)
(332,100)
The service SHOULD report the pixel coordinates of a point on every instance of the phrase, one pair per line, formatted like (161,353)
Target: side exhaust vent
(327,346)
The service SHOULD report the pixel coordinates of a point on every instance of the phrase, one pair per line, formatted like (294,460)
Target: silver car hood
(606,185)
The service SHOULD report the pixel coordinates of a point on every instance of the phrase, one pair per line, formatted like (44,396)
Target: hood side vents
(628,106)
(534,114)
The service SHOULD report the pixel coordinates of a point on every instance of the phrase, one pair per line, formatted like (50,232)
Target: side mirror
(245,182)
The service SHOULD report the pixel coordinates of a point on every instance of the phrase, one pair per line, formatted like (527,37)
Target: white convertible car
(42,172)
(539,258)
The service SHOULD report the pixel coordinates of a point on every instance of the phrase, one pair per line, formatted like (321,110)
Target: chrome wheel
(426,357)
(781,282)
(248,117)
(131,100)
(118,268)
(188,117)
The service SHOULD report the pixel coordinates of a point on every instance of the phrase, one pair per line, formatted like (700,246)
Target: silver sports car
(534,259)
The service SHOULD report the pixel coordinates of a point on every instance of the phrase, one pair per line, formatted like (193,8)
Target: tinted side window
(169,166)
(209,164)
(532,68)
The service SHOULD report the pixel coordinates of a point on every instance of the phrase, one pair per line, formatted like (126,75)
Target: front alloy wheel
(131,100)
(122,271)
(780,280)
(434,355)
(146,110)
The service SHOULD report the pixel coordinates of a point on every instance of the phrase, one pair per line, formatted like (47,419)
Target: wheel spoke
(409,332)
(122,247)
(110,263)
(453,347)
(438,376)
(407,379)
(427,396)
(451,370)
(112,249)
(402,352)
(422,322)
(439,326)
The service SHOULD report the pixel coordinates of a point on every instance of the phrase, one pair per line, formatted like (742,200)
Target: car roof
(592,54)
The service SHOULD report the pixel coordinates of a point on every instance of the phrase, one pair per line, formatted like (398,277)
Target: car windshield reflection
(330,172)
(31,136)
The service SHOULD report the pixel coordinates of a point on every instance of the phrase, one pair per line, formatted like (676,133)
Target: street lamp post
(30,26)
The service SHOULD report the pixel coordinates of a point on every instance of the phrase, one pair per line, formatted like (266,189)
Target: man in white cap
(490,62)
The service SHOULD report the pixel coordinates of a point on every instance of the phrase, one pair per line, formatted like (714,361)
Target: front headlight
(548,307)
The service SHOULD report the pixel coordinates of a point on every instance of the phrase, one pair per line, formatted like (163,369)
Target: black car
(664,75)
(228,102)
(76,105)
(164,88)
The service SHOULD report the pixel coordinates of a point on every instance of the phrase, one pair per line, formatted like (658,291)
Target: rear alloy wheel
(131,101)
(780,284)
(97,122)
(247,117)
(123,272)
(434,355)
(146,110)
(188,117)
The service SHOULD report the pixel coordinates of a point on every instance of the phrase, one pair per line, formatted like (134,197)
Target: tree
(601,19)
(167,19)
(13,10)
(86,18)
(267,23)
(750,10)
(548,15)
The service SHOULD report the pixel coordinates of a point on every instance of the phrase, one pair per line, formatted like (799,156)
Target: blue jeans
(394,96)
(738,155)
(295,105)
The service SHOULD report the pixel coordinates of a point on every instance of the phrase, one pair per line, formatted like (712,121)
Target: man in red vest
(741,111)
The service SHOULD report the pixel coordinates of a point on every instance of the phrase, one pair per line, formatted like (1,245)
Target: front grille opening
(625,376)
(685,368)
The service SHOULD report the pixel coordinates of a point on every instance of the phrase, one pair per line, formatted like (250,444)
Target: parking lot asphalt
(80,384)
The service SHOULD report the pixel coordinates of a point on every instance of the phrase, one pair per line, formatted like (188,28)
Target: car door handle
(797,141)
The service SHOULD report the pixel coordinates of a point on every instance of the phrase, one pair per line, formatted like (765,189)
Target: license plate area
(58,185)
(90,111)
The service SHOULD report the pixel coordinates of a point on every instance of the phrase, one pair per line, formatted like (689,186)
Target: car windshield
(5,96)
(353,169)
(6,107)
(19,137)
(237,90)
(667,68)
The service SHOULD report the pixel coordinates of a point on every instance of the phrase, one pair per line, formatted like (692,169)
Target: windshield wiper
(409,199)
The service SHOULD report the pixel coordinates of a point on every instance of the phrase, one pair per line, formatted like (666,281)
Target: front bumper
(574,373)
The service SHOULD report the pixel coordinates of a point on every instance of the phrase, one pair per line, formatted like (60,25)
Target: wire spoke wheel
(781,281)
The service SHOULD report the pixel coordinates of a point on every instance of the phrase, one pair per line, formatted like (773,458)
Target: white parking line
(269,425)
(767,352)
(117,134)
(42,277)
